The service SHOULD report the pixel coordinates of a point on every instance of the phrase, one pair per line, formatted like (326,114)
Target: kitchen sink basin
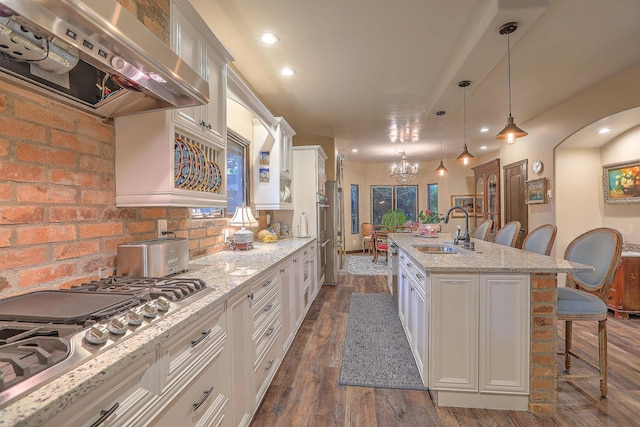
(438,249)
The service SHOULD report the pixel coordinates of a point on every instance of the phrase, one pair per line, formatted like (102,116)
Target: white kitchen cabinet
(240,332)
(273,178)
(504,333)
(413,309)
(194,42)
(151,169)
(454,332)
(480,340)
(117,401)
(198,381)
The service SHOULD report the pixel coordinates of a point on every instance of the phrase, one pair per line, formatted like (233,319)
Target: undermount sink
(438,249)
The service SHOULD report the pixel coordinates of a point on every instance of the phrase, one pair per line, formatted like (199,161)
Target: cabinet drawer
(190,341)
(262,309)
(266,367)
(201,401)
(265,336)
(413,271)
(114,402)
(265,286)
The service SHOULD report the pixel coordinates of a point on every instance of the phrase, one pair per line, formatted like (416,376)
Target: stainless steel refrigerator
(334,232)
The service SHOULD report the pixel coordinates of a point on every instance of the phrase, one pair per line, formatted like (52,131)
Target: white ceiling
(366,66)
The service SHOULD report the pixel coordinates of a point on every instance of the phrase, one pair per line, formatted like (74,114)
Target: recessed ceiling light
(354,150)
(484,129)
(286,71)
(483,147)
(604,130)
(269,38)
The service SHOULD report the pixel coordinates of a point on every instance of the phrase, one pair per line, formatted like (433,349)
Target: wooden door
(515,207)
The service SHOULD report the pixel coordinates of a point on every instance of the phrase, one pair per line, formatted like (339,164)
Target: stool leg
(602,346)
(568,335)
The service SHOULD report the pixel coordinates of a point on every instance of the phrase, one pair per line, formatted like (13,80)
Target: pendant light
(465,156)
(441,170)
(511,131)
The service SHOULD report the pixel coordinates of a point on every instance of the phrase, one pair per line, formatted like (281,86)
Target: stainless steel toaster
(153,258)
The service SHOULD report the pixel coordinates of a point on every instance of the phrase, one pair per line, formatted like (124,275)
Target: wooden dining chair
(584,297)
(380,245)
(541,239)
(367,237)
(483,230)
(508,234)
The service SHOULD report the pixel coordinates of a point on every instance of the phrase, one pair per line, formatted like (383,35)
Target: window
(355,215)
(237,188)
(400,197)
(432,197)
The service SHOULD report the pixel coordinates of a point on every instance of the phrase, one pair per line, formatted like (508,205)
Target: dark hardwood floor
(305,390)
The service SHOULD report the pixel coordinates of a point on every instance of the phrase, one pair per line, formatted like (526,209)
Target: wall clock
(537,166)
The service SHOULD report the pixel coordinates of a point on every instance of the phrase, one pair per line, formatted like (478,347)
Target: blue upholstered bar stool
(600,248)
(540,240)
(483,230)
(508,234)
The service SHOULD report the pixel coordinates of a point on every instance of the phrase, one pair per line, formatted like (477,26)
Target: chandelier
(404,171)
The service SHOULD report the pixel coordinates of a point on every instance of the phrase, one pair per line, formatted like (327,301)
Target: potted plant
(393,218)
(429,222)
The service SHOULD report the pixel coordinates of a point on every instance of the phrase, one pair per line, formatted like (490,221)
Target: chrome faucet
(465,238)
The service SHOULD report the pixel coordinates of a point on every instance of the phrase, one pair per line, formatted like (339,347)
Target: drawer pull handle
(205,396)
(404,277)
(200,338)
(419,276)
(269,332)
(269,307)
(282,271)
(267,283)
(269,365)
(295,261)
(104,414)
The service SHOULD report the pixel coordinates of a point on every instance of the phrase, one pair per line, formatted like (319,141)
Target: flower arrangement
(627,181)
(429,217)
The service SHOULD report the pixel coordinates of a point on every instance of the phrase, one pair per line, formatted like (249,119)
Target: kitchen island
(481,323)
(158,371)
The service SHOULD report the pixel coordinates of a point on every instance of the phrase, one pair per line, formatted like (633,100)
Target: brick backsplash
(59,225)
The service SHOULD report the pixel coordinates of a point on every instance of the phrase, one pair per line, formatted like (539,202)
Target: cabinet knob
(202,123)
(209,126)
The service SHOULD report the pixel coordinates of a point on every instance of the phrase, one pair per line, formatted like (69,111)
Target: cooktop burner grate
(174,289)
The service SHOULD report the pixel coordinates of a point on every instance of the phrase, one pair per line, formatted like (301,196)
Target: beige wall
(618,93)
(458,181)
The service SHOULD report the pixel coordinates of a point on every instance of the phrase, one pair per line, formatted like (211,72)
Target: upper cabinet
(271,139)
(178,157)
(194,44)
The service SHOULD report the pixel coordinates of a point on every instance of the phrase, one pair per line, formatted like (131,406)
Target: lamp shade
(243,218)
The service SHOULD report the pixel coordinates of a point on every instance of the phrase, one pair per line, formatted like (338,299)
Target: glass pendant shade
(511,131)
(465,156)
(404,171)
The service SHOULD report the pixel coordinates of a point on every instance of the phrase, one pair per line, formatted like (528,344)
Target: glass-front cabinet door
(487,193)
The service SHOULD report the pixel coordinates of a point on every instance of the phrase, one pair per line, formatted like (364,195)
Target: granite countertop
(225,273)
(487,257)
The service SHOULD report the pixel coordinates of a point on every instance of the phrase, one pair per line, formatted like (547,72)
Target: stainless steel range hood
(43,40)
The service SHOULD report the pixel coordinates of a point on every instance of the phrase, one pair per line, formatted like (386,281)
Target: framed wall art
(536,191)
(621,182)
(264,175)
(264,158)
(464,201)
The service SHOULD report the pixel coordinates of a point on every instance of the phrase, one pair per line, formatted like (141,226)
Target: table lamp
(243,238)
